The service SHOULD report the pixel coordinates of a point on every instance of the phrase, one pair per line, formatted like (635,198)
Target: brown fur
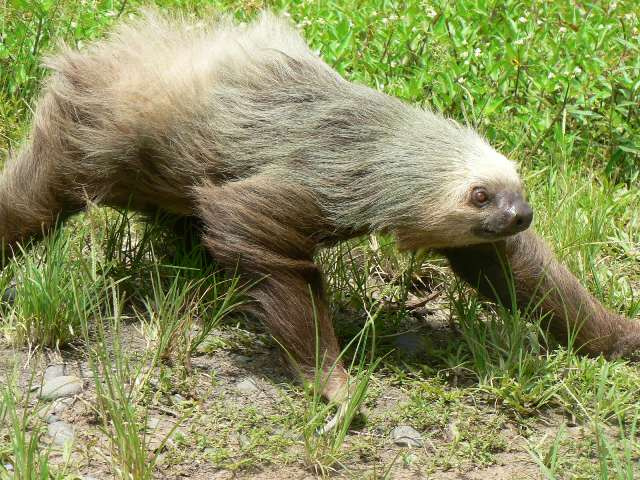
(542,284)
(277,156)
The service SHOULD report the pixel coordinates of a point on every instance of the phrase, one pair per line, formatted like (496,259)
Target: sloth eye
(479,196)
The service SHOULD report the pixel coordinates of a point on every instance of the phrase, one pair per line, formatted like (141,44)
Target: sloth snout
(519,217)
(513,215)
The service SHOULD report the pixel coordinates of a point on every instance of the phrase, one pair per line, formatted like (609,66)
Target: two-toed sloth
(247,129)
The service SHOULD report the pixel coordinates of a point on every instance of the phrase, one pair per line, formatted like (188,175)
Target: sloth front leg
(268,231)
(542,283)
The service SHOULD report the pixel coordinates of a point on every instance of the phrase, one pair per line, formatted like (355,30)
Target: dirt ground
(236,413)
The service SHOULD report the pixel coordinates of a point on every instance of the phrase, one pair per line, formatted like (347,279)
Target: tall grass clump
(326,425)
(23,454)
(179,313)
(120,380)
(505,348)
(48,307)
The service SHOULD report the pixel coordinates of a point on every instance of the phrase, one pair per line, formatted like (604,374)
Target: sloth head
(499,212)
(482,201)
(491,198)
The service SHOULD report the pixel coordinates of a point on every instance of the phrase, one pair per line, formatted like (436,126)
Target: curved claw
(333,422)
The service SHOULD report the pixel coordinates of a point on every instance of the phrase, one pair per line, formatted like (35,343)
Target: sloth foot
(343,392)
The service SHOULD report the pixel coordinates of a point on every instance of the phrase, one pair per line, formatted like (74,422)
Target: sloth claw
(340,416)
(333,422)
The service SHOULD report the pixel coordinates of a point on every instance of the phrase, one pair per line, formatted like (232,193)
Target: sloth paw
(627,347)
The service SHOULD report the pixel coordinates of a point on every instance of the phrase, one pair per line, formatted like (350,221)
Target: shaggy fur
(245,128)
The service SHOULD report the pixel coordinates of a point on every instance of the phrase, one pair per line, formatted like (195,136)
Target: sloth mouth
(491,234)
(486,232)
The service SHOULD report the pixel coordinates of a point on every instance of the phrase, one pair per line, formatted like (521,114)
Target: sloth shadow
(423,342)
(406,341)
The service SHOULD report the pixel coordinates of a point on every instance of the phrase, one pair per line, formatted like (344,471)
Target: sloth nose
(520,218)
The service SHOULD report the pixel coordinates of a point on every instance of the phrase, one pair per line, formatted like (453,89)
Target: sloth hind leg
(265,231)
(33,195)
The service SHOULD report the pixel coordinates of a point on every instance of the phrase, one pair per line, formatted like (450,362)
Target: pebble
(247,386)
(9,295)
(58,387)
(409,459)
(54,371)
(158,429)
(409,344)
(60,432)
(242,359)
(451,433)
(242,440)
(406,436)
(153,423)
(61,404)
(51,418)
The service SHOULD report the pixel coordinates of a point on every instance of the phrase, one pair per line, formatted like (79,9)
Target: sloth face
(501,213)
(485,213)
(482,201)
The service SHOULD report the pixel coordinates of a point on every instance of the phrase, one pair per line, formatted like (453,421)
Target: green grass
(48,307)
(554,85)
(24,452)
(120,381)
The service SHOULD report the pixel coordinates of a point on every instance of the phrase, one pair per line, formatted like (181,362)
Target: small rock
(60,432)
(242,359)
(451,433)
(9,295)
(177,398)
(64,386)
(409,344)
(242,439)
(158,429)
(409,459)
(153,423)
(61,404)
(247,386)
(54,371)
(406,436)
(51,418)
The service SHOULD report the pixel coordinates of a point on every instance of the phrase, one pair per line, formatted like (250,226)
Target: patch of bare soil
(238,414)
